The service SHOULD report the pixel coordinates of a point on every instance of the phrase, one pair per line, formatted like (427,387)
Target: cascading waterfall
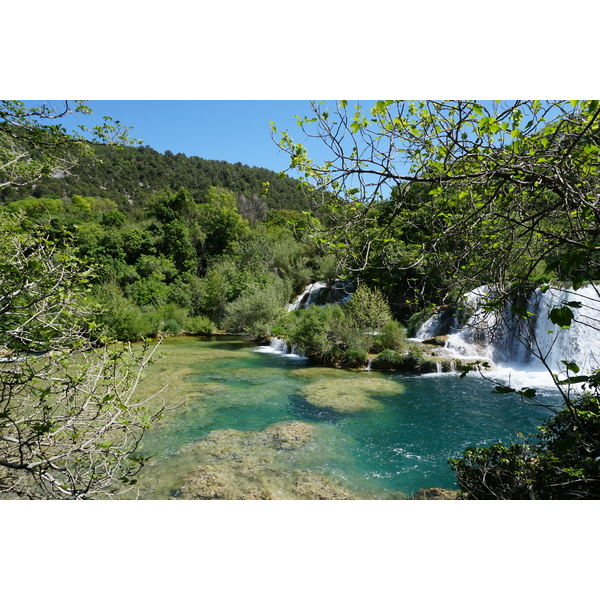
(279,346)
(308,297)
(516,345)
(339,291)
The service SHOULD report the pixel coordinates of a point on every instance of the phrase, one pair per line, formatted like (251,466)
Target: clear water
(377,435)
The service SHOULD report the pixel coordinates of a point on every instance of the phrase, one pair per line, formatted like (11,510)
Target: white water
(308,296)
(518,348)
(280,347)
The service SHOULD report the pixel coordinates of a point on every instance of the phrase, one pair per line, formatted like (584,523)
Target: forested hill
(131,175)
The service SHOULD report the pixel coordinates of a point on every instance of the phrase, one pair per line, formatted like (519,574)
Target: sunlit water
(375,435)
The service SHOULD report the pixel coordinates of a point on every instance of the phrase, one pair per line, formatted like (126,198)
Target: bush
(199,325)
(391,337)
(368,309)
(562,464)
(355,358)
(257,309)
(122,319)
(388,359)
(318,332)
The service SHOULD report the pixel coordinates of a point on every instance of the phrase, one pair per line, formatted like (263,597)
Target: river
(259,425)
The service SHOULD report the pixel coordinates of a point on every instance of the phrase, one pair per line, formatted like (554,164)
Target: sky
(229,130)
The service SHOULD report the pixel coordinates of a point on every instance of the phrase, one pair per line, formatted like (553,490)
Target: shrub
(368,309)
(413,359)
(122,319)
(391,337)
(199,325)
(355,358)
(563,464)
(172,326)
(318,332)
(257,309)
(388,359)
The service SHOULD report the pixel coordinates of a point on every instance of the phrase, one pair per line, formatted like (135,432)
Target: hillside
(131,175)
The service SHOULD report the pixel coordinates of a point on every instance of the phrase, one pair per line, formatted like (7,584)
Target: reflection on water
(260,426)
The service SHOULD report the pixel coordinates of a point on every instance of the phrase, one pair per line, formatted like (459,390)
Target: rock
(237,465)
(310,486)
(438,340)
(435,494)
(292,434)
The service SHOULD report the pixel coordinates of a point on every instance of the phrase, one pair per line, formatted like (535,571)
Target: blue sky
(229,130)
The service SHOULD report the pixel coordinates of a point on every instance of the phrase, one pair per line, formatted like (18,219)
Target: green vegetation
(132,176)
(69,423)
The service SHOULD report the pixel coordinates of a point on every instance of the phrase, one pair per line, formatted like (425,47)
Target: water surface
(257,425)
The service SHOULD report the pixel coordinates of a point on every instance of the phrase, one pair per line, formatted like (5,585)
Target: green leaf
(562,316)
(571,380)
(578,281)
(502,389)
(571,366)
(574,304)
(521,312)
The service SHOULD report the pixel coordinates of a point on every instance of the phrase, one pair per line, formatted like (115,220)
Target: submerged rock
(329,394)
(435,494)
(345,392)
(237,465)
(293,434)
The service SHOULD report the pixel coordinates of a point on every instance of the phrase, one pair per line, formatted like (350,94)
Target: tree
(252,209)
(34,143)
(501,187)
(69,420)
(368,309)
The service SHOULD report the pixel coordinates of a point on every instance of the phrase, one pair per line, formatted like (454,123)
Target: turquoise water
(377,435)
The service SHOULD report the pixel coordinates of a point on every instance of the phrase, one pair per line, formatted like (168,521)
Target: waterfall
(312,293)
(308,296)
(279,346)
(515,344)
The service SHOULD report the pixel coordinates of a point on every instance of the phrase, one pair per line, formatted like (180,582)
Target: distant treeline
(132,175)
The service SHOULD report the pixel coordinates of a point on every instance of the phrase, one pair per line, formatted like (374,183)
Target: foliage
(368,309)
(355,358)
(257,309)
(119,316)
(199,325)
(69,426)
(433,199)
(33,145)
(411,361)
(392,336)
(387,359)
(440,197)
(318,332)
(131,176)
